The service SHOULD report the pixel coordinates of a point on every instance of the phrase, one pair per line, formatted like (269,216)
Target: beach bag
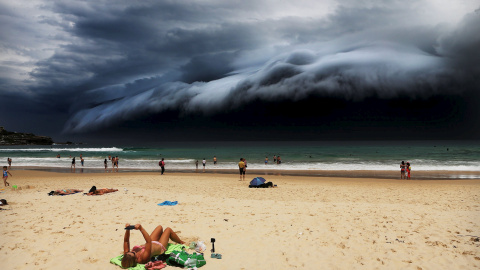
(183,259)
(3,202)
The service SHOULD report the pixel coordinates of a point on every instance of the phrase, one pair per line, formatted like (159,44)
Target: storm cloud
(105,63)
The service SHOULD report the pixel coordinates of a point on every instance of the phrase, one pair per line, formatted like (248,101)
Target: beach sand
(306,223)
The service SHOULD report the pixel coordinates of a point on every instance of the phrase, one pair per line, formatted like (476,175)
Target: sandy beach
(308,222)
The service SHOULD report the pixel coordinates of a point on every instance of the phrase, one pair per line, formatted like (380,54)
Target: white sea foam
(188,164)
(56,149)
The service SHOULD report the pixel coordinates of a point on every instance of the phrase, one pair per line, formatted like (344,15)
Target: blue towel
(168,203)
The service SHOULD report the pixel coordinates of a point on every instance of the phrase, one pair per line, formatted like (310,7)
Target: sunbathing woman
(101,191)
(155,245)
(64,192)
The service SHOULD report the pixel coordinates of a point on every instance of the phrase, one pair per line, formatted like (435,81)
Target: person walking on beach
(105,164)
(214,160)
(5,176)
(402,170)
(204,163)
(241,168)
(196,165)
(116,162)
(9,161)
(161,163)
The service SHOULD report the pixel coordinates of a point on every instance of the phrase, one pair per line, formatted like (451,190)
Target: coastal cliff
(17,138)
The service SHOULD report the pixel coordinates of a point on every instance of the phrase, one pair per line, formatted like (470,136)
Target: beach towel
(168,203)
(170,248)
(118,261)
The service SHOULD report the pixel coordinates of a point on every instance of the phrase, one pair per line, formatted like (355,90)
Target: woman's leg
(169,234)
(157,233)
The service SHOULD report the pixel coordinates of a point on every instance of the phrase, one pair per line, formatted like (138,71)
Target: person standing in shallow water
(241,168)
(204,163)
(402,170)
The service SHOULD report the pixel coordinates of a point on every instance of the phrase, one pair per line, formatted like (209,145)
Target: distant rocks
(17,138)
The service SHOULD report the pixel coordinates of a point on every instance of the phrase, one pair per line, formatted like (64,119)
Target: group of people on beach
(276,160)
(204,163)
(82,161)
(92,192)
(114,161)
(405,170)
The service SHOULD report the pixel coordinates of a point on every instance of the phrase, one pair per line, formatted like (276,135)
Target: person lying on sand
(64,191)
(101,191)
(155,245)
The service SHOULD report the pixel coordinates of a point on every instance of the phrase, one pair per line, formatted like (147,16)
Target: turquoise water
(373,155)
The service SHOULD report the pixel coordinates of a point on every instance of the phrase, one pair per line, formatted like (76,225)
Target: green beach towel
(170,248)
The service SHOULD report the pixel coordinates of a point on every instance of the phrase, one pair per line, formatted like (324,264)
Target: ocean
(431,156)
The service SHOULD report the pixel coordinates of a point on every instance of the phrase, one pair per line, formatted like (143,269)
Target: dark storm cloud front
(115,63)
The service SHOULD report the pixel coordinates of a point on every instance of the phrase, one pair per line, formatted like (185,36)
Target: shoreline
(417,175)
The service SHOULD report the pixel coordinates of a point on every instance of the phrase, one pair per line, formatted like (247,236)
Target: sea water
(434,156)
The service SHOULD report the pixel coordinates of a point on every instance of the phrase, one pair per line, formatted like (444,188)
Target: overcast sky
(256,70)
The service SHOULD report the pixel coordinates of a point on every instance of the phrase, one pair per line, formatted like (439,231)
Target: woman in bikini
(101,191)
(155,245)
(66,191)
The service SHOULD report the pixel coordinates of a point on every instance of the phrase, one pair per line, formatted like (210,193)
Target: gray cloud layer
(114,62)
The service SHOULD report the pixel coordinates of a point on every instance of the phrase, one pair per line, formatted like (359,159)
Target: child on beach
(408,168)
(155,245)
(5,176)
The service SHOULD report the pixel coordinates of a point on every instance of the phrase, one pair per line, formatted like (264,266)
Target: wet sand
(308,222)
(417,175)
